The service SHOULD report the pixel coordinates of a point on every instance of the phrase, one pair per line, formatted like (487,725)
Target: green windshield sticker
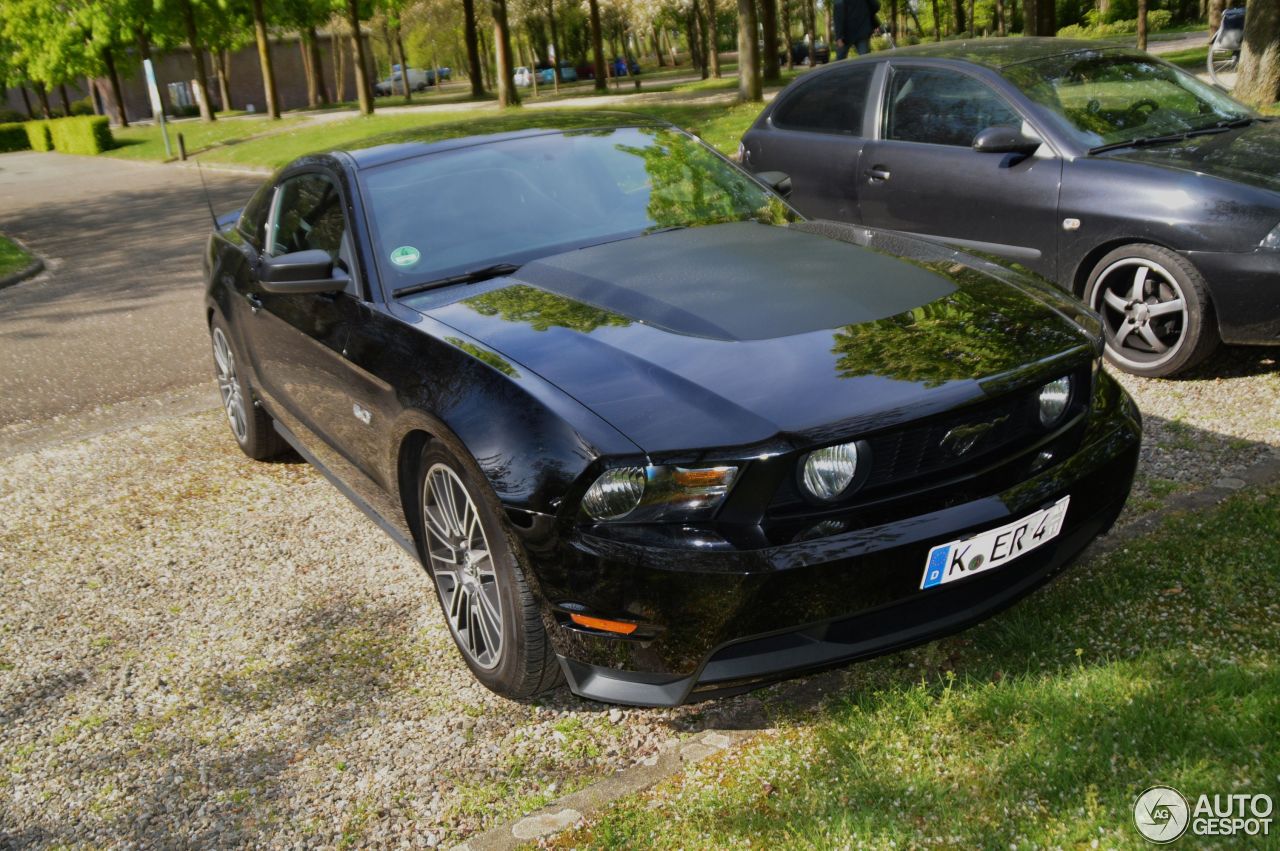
(405,255)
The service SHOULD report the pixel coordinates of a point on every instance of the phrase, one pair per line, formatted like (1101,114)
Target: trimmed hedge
(88,135)
(13,137)
(1157,19)
(38,135)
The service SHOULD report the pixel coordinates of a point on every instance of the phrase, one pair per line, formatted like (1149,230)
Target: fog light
(615,493)
(828,472)
(1054,397)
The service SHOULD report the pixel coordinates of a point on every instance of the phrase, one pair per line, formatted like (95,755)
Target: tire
(458,515)
(1156,310)
(250,425)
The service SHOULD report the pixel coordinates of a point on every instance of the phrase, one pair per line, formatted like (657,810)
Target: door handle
(255,303)
(877,172)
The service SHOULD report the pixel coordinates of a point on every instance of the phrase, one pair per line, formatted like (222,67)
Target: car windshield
(1109,97)
(512,201)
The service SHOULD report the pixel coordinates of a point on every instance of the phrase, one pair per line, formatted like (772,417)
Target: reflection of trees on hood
(982,329)
(690,186)
(541,310)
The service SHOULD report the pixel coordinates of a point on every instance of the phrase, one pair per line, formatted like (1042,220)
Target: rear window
(830,103)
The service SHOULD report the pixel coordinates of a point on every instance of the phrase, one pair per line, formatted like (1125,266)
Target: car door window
(308,215)
(942,107)
(831,103)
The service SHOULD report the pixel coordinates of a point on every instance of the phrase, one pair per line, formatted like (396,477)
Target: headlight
(650,494)
(1272,240)
(829,472)
(1054,398)
(615,494)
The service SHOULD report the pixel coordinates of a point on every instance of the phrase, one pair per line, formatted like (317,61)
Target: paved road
(116,321)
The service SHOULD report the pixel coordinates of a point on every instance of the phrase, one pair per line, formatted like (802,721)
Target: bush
(38,135)
(13,137)
(87,135)
(81,107)
(11,116)
(1159,19)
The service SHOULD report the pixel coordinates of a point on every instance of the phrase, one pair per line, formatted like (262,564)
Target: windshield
(1108,97)
(513,201)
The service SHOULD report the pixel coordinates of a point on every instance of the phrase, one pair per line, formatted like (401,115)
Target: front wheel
(1156,312)
(481,579)
(250,425)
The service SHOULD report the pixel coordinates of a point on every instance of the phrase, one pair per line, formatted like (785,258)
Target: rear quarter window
(833,102)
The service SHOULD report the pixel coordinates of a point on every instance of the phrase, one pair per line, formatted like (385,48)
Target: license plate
(995,547)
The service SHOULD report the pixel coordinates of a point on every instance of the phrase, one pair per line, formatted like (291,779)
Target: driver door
(299,341)
(921,174)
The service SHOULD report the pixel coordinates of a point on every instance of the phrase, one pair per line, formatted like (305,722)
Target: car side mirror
(301,272)
(1005,140)
(777,181)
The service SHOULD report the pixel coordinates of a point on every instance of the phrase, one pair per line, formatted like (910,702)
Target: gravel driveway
(198,650)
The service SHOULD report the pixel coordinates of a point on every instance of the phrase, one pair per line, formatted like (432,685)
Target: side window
(253,219)
(942,107)
(308,215)
(831,103)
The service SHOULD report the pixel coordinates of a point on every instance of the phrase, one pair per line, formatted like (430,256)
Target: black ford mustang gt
(647,428)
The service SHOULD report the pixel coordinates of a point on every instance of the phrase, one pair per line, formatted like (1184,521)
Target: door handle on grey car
(877,172)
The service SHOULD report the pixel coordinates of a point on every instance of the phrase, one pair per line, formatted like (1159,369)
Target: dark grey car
(1151,195)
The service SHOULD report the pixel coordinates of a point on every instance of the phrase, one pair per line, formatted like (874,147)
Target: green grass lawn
(719,124)
(145,143)
(12,258)
(1157,664)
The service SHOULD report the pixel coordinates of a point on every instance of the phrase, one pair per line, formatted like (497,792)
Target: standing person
(855,21)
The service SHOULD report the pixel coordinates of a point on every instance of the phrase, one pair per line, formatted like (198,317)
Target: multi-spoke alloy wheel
(229,386)
(1155,310)
(463,566)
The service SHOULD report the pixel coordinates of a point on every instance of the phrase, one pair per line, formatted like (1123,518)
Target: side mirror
(1005,140)
(777,181)
(301,272)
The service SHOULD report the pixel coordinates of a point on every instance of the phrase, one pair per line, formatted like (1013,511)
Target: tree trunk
(117,94)
(471,37)
(66,99)
(657,47)
(1000,30)
(957,16)
(1215,15)
(363,94)
(973,24)
(712,38)
(43,96)
(691,36)
(1142,24)
(313,97)
(488,65)
(937,21)
(748,53)
(1258,82)
(597,49)
(404,66)
(26,101)
(704,61)
(222,67)
(811,23)
(786,33)
(317,64)
(264,60)
(507,93)
(339,66)
(769,16)
(555,43)
(197,61)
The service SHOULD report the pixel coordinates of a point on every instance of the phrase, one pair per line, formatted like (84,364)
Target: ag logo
(1161,814)
(961,439)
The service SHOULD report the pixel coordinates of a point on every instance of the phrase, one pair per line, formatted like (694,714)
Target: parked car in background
(567,74)
(647,429)
(622,68)
(586,71)
(523,76)
(1135,186)
(418,80)
(800,53)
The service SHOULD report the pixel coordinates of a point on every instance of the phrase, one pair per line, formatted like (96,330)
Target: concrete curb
(568,811)
(35,267)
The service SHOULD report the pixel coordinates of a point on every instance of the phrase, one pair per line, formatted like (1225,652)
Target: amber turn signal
(620,627)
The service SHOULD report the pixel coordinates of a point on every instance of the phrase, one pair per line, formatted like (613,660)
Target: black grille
(905,454)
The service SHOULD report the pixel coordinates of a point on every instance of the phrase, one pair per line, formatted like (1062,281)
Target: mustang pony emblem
(961,439)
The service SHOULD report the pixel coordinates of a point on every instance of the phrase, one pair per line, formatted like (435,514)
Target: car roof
(415,143)
(996,53)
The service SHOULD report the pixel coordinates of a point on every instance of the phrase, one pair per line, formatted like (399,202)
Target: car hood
(742,334)
(1250,155)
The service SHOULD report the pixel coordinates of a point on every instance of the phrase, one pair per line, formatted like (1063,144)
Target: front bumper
(1245,287)
(719,621)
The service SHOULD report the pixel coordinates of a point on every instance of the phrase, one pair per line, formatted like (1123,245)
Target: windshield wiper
(475,276)
(1143,141)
